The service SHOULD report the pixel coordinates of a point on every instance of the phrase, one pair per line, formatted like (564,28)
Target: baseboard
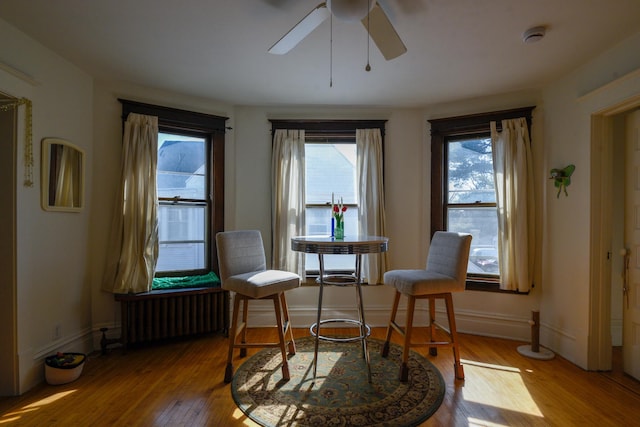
(476,323)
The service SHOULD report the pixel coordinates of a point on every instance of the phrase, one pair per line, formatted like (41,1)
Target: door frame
(9,381)
(599,341)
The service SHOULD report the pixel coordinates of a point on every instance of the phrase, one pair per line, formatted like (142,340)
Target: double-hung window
(463,194)
(190,187)
(330,171)
(183,205)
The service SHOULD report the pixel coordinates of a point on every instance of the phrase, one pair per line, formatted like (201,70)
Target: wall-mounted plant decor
(562,178)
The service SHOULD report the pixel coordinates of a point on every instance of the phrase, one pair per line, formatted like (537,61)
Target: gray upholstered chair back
(240,252)
(449,255)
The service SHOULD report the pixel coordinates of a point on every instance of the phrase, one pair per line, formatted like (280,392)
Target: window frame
(212,128)
(442,131)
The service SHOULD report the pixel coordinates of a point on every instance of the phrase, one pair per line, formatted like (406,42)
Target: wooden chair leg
(404,367)
(285,313)
(433,351)
(457,366)
(281,337)
(245,317)
(392,319)
(228,373)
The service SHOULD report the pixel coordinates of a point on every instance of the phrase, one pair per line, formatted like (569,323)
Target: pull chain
(368,67)
(331,52)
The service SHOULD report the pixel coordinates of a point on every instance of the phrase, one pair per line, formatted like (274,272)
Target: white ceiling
(457,49)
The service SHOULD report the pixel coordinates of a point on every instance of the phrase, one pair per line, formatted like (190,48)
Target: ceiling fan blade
(301,30)
(383,34)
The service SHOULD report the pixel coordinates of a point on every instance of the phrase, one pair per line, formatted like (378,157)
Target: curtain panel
(133,246)
(288,199)
(513,174)
(371,213)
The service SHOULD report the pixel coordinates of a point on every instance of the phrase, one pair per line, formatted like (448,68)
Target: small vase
(339,230)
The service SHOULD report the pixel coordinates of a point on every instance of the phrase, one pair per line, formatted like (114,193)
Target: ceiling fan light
(350,10)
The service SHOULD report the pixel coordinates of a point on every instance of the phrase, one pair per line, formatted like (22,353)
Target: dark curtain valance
(174,117)
(328,127)
(477,122)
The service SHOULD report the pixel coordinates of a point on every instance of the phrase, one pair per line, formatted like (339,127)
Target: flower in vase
(338,213)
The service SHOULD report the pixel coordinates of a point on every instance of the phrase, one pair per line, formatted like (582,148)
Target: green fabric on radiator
(209,280)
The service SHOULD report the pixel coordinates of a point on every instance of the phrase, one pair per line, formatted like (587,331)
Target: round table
(351,245)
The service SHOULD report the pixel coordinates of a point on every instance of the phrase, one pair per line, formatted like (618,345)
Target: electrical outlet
(57,332)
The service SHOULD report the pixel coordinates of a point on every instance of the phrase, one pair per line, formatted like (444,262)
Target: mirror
(62,176)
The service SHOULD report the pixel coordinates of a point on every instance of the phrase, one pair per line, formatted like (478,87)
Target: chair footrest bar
(313,330)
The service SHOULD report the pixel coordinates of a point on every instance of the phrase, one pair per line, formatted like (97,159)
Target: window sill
(489,285)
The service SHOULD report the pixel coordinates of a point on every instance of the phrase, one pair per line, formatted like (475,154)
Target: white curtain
(513,172)
(133,245)
(371,216)
(288,200)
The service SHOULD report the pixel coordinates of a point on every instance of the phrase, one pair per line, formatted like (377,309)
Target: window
(463,194)
(330,169)
(190,182)
(183,203)
(470,201)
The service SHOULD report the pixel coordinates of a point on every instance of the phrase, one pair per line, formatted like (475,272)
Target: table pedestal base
(364,329)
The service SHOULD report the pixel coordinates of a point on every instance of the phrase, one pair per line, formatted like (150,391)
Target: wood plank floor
(180,384)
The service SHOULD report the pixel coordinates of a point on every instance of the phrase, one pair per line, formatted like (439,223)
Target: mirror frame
(47,167)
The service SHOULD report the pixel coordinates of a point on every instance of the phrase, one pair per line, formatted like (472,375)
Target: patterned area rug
(341,394)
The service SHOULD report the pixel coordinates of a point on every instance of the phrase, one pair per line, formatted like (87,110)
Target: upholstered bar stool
(446,272)
(243,270)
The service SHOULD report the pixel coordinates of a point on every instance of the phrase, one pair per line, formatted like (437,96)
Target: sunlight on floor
(506,390)
(238,415)
(474,422)
(16,415)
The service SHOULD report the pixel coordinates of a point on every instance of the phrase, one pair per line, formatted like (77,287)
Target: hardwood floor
(180,384)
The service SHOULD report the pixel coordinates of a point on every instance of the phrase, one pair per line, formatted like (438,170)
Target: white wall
(52,272)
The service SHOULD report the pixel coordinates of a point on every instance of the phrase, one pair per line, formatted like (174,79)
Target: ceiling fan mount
(350,10)
(368,12)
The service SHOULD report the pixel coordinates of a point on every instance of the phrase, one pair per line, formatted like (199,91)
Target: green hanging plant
(562,178)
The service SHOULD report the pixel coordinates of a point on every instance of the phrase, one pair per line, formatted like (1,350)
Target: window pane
(181,222)
(181,257)
(482,224)
(182,166)
(182,233)
(470,171)
(330,168)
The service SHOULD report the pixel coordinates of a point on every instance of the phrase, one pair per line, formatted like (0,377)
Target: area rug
(341,394)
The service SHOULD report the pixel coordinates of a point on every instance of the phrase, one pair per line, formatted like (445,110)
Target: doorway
(611,174)
(8,300)
(627,296)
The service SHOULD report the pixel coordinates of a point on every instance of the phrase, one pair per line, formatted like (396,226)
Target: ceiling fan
(368,12)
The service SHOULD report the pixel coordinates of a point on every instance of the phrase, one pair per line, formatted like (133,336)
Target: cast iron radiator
(159,315)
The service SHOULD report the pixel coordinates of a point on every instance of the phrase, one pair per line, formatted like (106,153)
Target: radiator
(159,315)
